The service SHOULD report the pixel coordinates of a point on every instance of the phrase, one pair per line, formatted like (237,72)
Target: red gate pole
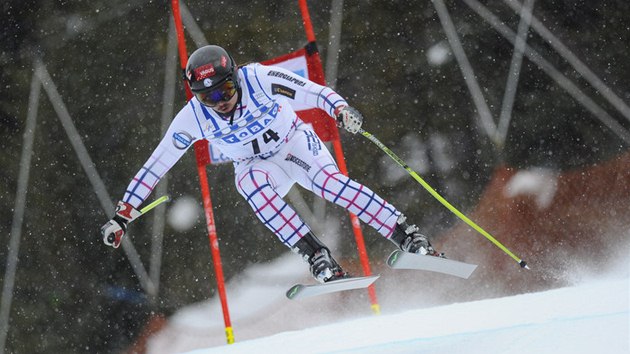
(203,158)
(341,161)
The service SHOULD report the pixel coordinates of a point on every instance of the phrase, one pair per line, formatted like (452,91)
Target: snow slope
(588,318)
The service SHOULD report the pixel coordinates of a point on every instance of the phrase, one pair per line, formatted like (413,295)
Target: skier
(246,112)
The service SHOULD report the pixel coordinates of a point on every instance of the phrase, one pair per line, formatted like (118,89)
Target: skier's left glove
(114,230)
(349,118)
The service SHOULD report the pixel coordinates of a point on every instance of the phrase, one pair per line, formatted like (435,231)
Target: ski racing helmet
(212,75)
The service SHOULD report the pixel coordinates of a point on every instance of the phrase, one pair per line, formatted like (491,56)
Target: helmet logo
(207,82)
(223,61)
(204,71)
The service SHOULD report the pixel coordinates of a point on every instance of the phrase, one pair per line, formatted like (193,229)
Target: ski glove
(114,230)
(349,118)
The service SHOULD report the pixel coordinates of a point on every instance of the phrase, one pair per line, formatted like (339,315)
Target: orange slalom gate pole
(341,161)
(201,153)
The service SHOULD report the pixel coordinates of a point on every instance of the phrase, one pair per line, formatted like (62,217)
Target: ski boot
(409,239)
(323,267)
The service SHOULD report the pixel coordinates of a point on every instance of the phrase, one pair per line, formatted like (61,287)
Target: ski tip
(294,290)
(371,276)
(393,257)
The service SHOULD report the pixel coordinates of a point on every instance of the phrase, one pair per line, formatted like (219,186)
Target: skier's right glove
(114,230)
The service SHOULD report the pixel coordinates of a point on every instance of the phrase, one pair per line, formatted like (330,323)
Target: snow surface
(591,318)
(421,312)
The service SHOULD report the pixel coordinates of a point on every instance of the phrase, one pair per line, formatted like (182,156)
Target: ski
(404,260)
(300,291)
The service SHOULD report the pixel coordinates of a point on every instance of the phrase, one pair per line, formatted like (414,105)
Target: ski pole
(437,196)
(160,200)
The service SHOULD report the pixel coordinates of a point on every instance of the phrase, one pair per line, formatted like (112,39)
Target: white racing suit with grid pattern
(272,149)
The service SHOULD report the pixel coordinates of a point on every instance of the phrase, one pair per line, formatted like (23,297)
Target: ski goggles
(223,93)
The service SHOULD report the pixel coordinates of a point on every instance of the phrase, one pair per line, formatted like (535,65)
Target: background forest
(108,61)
